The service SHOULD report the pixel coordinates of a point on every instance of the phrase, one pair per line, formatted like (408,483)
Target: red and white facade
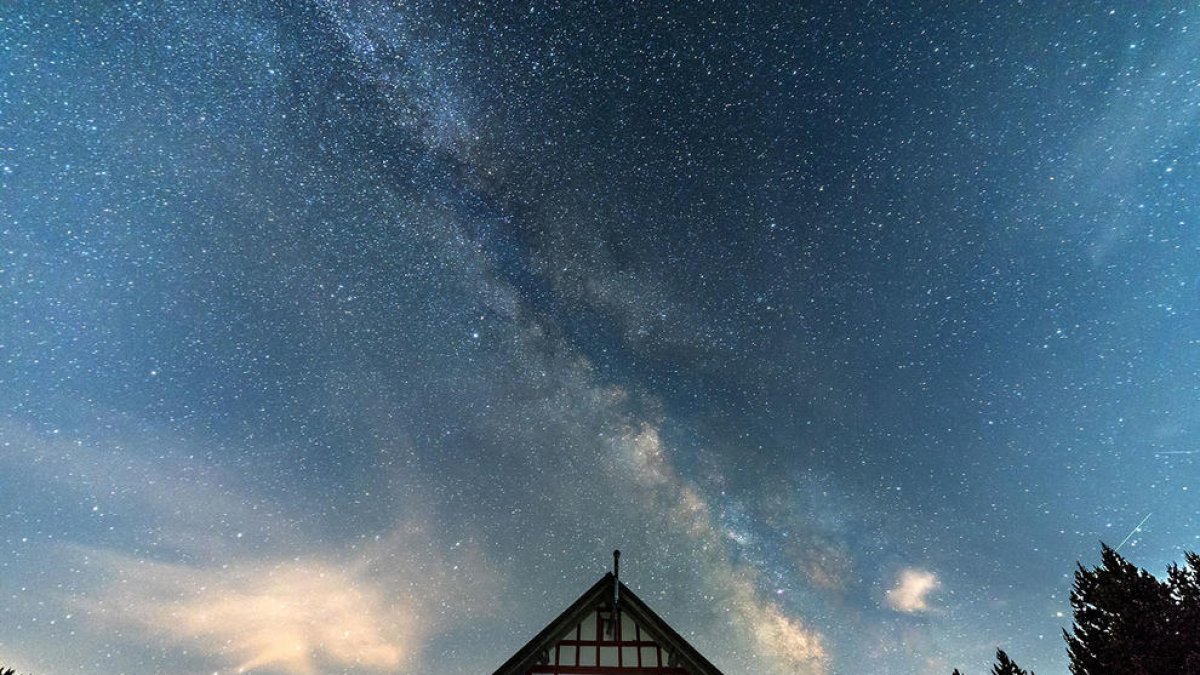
(591,638)
(599,645)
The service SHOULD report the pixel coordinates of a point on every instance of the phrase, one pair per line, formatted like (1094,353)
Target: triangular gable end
(598,641)
(584,640)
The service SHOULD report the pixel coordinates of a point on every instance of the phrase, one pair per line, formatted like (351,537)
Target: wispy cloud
(296,617)
(299,605)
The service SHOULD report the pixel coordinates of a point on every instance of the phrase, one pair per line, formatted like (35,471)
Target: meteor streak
(1135,529)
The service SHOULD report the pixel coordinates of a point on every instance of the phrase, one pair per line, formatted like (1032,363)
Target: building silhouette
(608,631)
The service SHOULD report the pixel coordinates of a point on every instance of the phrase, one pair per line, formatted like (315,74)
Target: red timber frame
(645,645)
(650,663)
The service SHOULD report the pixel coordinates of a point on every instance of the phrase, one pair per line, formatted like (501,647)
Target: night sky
(351,336)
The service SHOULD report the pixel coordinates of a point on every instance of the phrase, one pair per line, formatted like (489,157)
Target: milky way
(353,336)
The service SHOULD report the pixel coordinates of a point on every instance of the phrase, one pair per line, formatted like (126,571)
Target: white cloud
(911,592)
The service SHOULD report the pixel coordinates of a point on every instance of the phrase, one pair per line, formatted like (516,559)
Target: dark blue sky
(353,336)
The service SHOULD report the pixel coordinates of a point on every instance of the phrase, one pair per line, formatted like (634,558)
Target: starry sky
(352,336)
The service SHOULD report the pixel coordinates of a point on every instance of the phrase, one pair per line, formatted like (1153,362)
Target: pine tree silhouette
(1185,593)
(1128,622)
(1005,665)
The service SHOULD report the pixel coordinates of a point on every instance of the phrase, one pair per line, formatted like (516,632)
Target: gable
(598,644)
(584,640)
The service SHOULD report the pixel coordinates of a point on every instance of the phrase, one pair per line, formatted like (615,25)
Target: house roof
(600,592)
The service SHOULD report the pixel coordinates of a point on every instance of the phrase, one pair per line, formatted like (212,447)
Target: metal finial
(616,607)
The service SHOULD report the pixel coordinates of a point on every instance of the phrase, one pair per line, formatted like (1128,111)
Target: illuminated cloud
(296,617)
(303,615)
(910,594)
(293,607)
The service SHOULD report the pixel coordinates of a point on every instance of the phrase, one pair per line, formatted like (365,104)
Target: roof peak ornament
(579,639)
(616,577)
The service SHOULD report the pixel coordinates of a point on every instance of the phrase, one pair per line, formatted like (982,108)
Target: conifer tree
(1184,633)
(1127,621)
(1005,665)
